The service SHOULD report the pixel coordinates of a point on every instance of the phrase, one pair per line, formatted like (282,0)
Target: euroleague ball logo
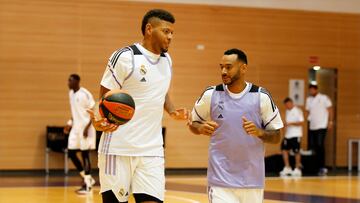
(125,111)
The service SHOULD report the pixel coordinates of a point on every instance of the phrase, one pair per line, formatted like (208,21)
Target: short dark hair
(156,13)
(313,86)
(75,77)
(287,99)
(240,54)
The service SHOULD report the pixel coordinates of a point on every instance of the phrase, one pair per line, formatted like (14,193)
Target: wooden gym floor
(182,189)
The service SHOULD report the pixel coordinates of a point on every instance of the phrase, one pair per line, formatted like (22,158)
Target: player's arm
(300,118)
(299,122)
(68,126)
(331,116)
(85,133)
(307,109)
(272,123)
(89,106)
(118,68)
(203,127)
(267,136)
(177,114)
(102,124)
(330,110)
(200,121)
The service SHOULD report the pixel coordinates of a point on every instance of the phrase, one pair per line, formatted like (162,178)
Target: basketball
(117,106)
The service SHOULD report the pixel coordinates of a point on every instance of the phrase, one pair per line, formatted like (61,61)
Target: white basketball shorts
(78,141)
(235,195)
(125,175)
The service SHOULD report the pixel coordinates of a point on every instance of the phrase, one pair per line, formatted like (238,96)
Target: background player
(294,120)
(321,118)
(131,157)
(82,134)
(239,117)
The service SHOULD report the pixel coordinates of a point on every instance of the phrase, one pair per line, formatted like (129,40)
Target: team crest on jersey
(143,70)
(221,105)
(122,192)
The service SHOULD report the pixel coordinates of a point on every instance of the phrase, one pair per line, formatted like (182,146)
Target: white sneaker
(286,172)
(89,181)
(84,190)
(323,172)
(296,172)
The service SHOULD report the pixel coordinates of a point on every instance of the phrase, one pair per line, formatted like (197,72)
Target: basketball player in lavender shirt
(240,117)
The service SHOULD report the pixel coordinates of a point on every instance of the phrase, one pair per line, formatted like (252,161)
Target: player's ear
(243,68)
(148,29)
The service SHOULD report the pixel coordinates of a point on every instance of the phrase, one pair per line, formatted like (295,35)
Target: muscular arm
(267,136)
(103,91)
(295,123)
(100,125)
(178,114)
(270,136)
(168,105)
(203,128)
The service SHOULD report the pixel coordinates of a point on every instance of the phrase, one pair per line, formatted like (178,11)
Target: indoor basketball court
(295,49)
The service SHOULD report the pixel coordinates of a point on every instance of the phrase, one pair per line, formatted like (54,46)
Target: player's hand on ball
(180,114)
(250,128)
(101,124)
(208,128)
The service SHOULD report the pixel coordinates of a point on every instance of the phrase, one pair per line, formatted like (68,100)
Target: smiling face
(232,69)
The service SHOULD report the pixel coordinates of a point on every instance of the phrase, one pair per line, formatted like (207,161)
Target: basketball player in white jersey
(82,134)
(131,156)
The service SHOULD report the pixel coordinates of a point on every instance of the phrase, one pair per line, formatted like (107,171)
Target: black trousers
(317,144)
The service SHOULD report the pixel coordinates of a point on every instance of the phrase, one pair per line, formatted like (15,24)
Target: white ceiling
(338,6)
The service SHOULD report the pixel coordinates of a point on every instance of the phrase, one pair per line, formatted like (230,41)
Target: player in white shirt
(131,156)
(294,121)
(82,134)
(320,116)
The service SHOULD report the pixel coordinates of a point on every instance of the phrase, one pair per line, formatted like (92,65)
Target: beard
(230,80)
(164,50)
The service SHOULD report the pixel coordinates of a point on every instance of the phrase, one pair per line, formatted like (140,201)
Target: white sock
(82,174)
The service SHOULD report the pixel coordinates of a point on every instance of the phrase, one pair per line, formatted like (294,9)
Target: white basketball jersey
(80,101)
(146,77)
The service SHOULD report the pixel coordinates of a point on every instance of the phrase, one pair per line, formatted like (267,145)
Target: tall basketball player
(239,116)
(131,157)
(82,134)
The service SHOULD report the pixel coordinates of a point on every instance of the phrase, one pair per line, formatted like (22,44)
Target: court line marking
(313,177)
(182,198)
(274,178)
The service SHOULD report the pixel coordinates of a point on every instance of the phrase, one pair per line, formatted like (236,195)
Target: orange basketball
(117,106)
